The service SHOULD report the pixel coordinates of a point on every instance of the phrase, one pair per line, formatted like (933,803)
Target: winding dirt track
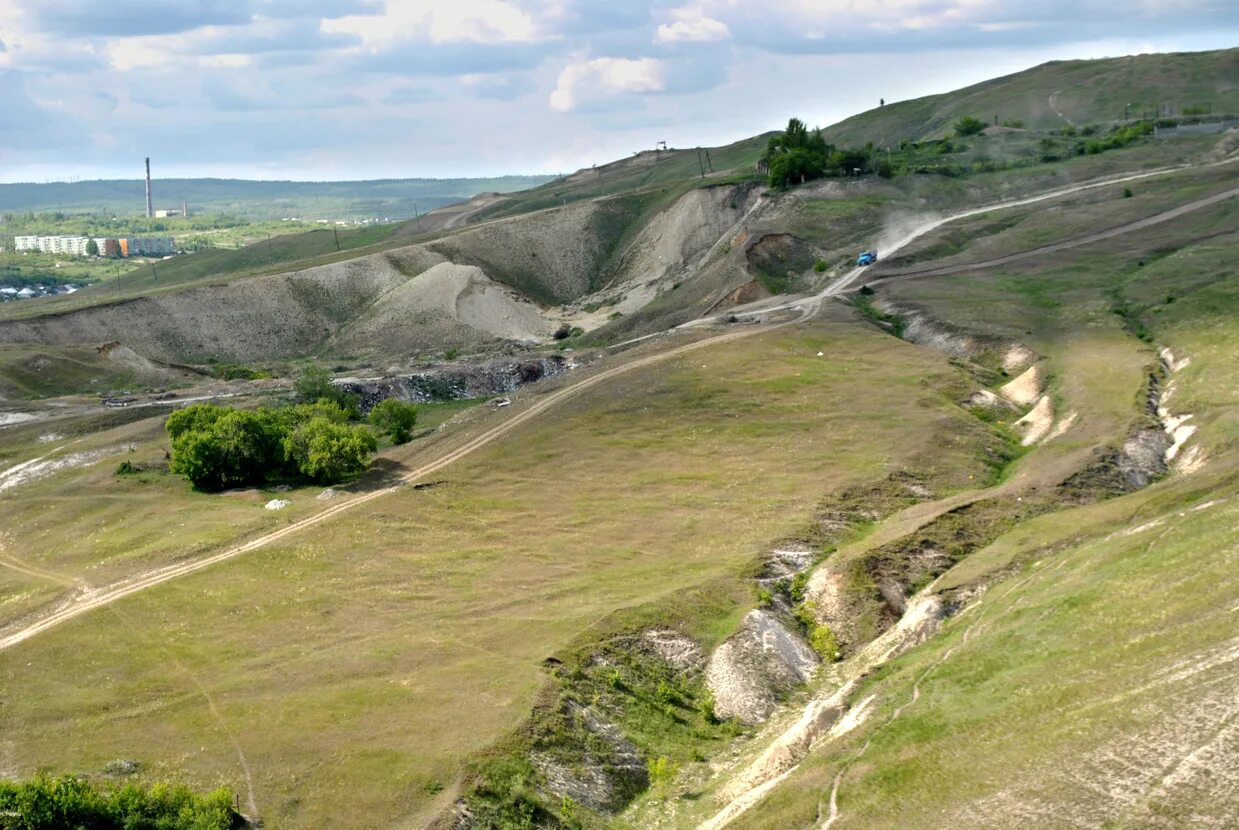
(107,595)
(808,306)
(1139,224)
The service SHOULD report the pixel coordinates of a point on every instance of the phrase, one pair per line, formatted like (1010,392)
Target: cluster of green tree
(799,154)
(216,447)
(45,803)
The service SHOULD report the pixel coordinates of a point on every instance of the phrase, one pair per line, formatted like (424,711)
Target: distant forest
(257,200)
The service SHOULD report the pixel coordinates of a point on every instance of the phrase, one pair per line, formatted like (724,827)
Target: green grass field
(1102,632)
(405,637)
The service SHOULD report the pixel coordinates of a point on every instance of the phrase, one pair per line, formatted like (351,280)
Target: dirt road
(808,306)
(109,594)
(1140,224)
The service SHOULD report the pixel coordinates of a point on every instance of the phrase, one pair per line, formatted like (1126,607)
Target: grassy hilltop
(1060,94)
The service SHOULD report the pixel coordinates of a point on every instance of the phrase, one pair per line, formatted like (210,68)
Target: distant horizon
(366,90)
(154,178)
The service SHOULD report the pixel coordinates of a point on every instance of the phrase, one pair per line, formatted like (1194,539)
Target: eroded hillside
(781,542)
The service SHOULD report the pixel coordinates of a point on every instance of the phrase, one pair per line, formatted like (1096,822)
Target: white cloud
(691,24)
(440,21)
(587,81)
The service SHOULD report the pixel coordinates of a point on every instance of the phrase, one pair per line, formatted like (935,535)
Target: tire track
(808,306)
(1121,230)
(110,594)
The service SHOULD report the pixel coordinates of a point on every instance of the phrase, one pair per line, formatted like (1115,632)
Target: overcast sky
(345,89)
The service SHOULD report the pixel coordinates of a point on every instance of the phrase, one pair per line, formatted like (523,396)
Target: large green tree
(396,418)
(797,155)
(327,452)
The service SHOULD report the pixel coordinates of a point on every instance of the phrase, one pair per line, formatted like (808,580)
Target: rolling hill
(1061,94)
(781,543)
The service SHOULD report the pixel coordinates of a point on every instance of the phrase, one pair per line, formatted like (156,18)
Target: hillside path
(808,306)
(1139,224)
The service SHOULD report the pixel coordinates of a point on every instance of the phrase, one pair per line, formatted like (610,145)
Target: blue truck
(867,258)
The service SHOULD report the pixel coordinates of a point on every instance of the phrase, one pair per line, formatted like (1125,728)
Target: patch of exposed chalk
(8,419)
(1062,426)
(1172,364)
(854,717)
(276,504)
(1132,531)
(44,465)
(820,717)
(1017,357)
(984,397)
(1037,422)
(825,718)
(759,664)
(1191,461)
(680,652)
(327,495)
(1176,426)
(920,622)
(1026,388)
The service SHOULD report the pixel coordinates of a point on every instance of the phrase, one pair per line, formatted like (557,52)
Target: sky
(356,89)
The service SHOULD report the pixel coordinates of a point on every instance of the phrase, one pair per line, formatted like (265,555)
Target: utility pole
(700,164)
(709,163)
(154,273)
(336,234)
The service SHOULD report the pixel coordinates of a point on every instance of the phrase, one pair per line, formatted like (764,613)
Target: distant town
(103,246)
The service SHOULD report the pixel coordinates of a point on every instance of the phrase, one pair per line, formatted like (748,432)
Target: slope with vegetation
(947,546)
(1060,94)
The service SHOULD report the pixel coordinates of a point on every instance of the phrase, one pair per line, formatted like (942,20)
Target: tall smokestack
(150,211)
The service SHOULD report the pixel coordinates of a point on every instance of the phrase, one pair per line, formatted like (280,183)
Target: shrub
(564,331)
(820,266)
(969,125)
(1127,194)
(328,452)
(126,468)
(662,771)
(396,418)
(823,641)
(45,803)
(236,371)
(314,384)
